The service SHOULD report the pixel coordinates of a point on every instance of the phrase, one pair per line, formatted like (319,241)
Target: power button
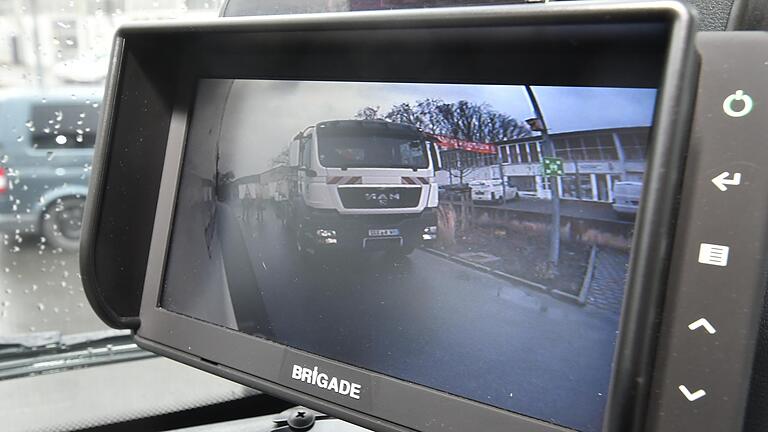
(737,104)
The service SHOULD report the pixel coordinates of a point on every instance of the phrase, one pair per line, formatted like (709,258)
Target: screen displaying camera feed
(473,239)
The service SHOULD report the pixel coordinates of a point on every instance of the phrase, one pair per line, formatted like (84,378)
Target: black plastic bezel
(257,362)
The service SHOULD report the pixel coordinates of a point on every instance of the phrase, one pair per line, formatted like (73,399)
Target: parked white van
(626,197)
(492,191)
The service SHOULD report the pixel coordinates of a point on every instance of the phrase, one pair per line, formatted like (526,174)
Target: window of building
(561,148)
(514,155)
(591,148)
(635,145)
(607,147)
(535,152)
(523,148)
(569,187)
(523,183)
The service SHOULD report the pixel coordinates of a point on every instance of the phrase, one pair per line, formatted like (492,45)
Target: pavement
(606,290)
(432,321)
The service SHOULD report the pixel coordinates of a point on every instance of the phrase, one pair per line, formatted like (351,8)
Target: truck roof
(383,124)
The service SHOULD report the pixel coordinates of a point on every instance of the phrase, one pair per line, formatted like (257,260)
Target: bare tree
(369,113)
(281,158)
(463,120)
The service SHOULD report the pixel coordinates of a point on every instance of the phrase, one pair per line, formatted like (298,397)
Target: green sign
(552,167)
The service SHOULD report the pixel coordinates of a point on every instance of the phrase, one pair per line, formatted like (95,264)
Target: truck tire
(62,223)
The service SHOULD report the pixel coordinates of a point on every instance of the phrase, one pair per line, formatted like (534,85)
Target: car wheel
(63,222)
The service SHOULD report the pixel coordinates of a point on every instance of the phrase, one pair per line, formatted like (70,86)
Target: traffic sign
(552,166)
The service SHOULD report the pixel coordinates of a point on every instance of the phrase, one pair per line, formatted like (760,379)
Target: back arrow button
(722,181)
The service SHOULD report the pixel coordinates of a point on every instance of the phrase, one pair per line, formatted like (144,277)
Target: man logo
(382,198)
(340,386)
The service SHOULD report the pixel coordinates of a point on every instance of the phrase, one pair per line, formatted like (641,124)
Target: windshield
(54,56)
(370,148)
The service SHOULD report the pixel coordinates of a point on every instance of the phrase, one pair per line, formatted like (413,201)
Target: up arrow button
(702,322)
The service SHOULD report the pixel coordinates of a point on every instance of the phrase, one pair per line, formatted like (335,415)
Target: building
(593,162)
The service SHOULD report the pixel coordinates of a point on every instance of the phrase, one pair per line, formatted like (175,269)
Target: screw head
(301,418)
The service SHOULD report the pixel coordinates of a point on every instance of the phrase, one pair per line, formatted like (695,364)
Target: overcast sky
(261,117)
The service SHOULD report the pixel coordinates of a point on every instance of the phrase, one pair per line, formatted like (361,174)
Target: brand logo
(322,380)
(382,198)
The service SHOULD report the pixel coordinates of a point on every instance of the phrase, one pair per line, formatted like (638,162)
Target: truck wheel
(62,223)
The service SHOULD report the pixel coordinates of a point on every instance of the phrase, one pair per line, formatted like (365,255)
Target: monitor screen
(473,239)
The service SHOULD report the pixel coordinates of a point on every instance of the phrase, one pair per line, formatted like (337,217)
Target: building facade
(593,162)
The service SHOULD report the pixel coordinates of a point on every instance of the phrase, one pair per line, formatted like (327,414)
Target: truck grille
(379,197)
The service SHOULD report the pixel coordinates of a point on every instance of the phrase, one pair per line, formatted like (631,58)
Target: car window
(58,126)
(53,62)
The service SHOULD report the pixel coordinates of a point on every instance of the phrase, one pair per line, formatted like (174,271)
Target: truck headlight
(326,233)
(430,233)
(326,236)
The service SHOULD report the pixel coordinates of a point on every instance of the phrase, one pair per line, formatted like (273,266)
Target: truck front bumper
(333,231)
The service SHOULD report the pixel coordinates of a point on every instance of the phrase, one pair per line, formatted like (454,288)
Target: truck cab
(363,185)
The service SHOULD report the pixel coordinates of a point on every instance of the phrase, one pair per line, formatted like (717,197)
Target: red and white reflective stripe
(344,180)
(414,180)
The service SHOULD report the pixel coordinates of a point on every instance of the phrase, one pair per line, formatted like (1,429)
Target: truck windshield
(371,149)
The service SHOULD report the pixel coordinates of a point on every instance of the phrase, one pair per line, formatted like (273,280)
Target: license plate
(383,232)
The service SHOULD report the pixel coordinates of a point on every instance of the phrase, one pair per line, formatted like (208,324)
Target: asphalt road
(41,291)
(434,322)
(423,319)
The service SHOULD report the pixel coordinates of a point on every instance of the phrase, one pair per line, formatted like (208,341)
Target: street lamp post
(548,148)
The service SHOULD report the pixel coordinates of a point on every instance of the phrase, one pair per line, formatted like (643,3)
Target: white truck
(363,185)
(492,191)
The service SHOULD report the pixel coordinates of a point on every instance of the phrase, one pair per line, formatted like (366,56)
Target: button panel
(717,280)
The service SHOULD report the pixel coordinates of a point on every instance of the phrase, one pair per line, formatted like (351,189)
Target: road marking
(702,322)
(698,394)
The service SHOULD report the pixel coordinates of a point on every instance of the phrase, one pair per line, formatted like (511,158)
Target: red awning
(451,143)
